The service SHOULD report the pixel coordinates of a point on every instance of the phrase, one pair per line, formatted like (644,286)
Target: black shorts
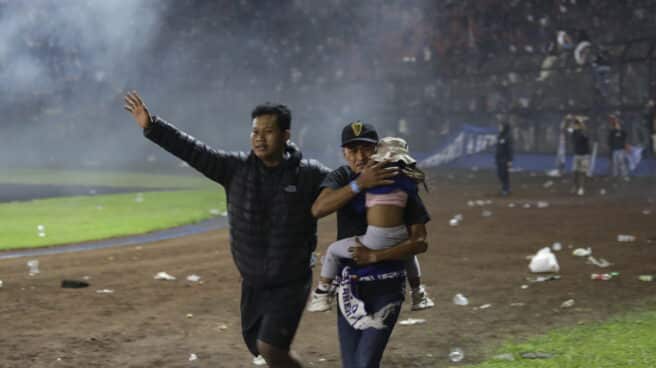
(272,314)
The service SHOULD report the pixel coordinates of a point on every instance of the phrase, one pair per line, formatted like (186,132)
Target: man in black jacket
(270,192)
(504,157)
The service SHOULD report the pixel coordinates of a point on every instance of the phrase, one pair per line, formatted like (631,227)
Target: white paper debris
(581,252)
(164,276)
(567,303)
(193,278)
(598,262)
(412,321)
(544,261)
(624,238)
(460,299)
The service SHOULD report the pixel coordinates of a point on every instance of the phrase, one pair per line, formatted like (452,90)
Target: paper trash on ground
(598,262)
(544,261)
(412,321)
(193,278)
(582,252)
(164,276)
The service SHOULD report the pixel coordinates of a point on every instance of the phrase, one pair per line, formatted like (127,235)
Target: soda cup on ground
(600,276)
(604,276)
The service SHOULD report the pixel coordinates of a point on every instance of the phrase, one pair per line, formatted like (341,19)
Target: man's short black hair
(281,112)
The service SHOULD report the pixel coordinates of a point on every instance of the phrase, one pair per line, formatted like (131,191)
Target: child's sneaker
(320,302)
(420,299)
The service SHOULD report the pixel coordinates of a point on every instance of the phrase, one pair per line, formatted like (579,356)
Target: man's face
(357,155)
(267,140)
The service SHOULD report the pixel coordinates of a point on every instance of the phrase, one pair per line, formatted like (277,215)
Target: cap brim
(365,140)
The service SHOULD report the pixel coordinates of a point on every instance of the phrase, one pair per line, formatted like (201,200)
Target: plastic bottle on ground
(33,265)
(456,355)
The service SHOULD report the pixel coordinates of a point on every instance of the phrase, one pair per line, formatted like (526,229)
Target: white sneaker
(420,299)
(320,302)
(580,192)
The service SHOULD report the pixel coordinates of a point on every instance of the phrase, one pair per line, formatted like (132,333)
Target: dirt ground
(153,323)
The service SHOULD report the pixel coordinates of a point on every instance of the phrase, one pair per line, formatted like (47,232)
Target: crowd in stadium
(461,60)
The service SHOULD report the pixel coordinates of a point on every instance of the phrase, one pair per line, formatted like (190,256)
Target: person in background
(617,145)
(504,157)
(581,144)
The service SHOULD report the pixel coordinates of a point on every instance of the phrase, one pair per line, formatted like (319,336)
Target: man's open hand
(137,108)
(361,254)
(376,174)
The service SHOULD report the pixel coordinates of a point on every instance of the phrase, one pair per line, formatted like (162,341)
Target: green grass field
(83,218)
(76,219)
(622,342)
(103,177)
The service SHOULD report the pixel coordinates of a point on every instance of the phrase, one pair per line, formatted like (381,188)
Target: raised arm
(216,165)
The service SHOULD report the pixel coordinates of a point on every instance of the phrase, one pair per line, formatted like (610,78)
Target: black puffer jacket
(270,246)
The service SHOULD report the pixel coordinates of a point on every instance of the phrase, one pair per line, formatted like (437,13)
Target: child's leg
(413,271)
(420,299)
(336,250)
(321,296)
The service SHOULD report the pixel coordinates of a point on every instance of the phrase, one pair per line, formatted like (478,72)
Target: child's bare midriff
(385,216)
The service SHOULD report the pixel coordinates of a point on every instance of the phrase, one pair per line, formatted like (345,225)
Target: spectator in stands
(617,146)
(504,157)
